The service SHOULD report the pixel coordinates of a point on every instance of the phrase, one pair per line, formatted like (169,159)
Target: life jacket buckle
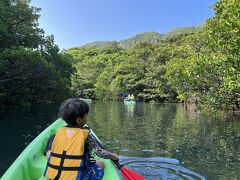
(92,161)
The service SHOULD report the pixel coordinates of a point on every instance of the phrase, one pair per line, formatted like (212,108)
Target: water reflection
(208,145)
(129,109)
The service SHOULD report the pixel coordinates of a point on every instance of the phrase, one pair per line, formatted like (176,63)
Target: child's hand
(114,157)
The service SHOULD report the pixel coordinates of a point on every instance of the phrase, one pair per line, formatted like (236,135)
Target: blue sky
(77,22)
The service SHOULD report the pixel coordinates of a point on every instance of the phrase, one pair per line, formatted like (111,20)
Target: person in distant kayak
(69,150)
(132,98)
(128,98)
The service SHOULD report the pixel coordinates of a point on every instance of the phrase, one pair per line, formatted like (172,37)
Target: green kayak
(31,162)
(89,101)
(129,102)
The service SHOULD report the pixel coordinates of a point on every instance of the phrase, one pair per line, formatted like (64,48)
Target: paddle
(127,173)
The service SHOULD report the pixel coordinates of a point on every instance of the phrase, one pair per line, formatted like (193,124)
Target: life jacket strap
(66,156)
(59,168)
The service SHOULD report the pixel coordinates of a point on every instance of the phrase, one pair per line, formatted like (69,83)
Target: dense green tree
(139,71)
(31,68)
(211,70)
(109,82)
(90,63)
(19,25)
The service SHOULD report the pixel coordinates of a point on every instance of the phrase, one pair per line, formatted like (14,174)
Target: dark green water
(160,141)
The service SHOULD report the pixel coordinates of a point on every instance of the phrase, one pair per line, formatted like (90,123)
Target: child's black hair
(71,109)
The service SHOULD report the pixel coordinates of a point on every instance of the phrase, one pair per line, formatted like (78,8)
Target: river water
(159,141)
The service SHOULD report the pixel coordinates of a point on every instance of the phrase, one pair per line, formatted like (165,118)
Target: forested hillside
(198,63)
(152,37)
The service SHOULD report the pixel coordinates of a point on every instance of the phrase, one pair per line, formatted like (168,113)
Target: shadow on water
(160,168)
(18,127)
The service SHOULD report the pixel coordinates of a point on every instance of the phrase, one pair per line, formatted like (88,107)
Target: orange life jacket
(68,157)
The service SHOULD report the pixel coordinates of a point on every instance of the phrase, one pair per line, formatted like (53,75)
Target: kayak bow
(31,163)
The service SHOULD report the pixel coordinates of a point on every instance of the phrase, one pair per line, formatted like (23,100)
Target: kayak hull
(89,101)
(31,163)
(129,102)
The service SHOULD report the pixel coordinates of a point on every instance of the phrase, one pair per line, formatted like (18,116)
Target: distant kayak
(86,100)
(129,102)
(31,162)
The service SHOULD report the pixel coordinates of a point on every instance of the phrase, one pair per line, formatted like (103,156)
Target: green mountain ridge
(152,37)
(142,37)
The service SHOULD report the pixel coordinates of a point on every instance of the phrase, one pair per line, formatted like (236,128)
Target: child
(69,150)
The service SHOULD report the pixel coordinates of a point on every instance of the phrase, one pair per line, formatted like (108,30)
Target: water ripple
(160,168)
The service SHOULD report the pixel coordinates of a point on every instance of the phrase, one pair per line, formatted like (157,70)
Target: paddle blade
(130,175)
